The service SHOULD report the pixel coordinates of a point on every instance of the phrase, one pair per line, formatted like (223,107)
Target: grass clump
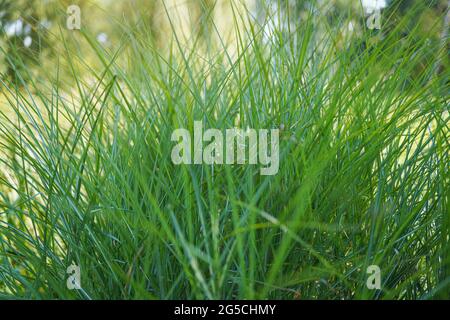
(87,175)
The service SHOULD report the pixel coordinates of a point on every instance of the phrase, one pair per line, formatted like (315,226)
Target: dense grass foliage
(87,175)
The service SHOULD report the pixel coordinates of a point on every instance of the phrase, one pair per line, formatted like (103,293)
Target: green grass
(86,173)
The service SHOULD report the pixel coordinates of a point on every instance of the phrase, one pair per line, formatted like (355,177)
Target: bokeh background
(32,28)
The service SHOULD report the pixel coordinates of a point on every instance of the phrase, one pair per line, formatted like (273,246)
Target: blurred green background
(30,29)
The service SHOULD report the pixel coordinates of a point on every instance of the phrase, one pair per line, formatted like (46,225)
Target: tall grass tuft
(87,177)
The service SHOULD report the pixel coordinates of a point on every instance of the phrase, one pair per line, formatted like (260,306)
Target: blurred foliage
(24,25)
(38,23)
(29,34)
